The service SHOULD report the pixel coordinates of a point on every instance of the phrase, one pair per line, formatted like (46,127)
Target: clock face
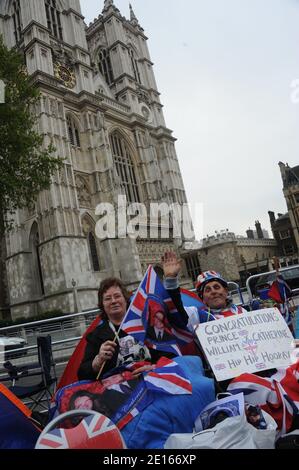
(65,75)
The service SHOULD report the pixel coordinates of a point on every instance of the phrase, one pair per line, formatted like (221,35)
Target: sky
(226,71)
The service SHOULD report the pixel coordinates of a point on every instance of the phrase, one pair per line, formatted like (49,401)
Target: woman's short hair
(105,285)
(97,403)
(77,394)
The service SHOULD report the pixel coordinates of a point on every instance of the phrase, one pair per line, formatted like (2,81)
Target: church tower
(100,107)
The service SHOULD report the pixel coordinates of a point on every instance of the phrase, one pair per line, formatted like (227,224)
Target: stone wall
(222,258)
(228,257)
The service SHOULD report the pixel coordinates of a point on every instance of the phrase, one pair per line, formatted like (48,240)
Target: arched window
(105,66)
(88,227)
(193,266)
(73,132)
(17,21)
(125,167)
(134,66)
(93,252)
(53,19)
(37,275)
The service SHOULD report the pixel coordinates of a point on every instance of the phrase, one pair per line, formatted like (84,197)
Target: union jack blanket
(278,395)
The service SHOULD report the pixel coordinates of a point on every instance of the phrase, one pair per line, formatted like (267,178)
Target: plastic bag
(232,433)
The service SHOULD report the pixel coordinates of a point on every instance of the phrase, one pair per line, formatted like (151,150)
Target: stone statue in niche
(83,191)
(101,123)
(86,226)
(62,55)
(101,135)
(62,176)
(143,97)
(116,179)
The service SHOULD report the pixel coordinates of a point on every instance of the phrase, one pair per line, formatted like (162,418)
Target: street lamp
(75,294)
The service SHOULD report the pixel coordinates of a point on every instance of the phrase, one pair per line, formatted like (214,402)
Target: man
(211,288)
(157,329)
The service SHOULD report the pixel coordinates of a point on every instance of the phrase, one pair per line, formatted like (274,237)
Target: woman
(102,352)
(106,402)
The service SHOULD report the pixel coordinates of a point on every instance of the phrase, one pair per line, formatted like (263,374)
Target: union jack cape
(277,395)
(70,372)
(69,375)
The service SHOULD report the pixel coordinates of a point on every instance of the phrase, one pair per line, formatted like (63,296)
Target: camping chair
(36,396)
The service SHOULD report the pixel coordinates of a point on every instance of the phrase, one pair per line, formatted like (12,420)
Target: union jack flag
(280,291)
(250,345)
(137,317)
(277,395)
(93,432)
(169,378)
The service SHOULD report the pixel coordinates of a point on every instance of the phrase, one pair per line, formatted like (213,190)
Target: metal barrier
(297,324)
(255,276)
(65,331)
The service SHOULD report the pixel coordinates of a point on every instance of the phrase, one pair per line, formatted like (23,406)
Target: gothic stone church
(100,107)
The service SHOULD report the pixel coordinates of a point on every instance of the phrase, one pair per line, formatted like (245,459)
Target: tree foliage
(26,165)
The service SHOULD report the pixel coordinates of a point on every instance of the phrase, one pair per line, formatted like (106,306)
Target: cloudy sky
(225,69)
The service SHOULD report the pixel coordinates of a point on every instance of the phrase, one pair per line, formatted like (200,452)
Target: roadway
(28,381)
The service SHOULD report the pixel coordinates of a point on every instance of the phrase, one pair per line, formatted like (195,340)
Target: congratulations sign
(249,342)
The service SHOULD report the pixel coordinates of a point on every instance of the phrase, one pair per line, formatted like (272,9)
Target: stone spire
(107,4)
(133,18)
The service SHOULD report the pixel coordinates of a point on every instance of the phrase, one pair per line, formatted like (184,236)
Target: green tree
(26,165)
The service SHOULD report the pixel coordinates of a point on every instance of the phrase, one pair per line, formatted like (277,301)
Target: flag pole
(277,266)
(103,365)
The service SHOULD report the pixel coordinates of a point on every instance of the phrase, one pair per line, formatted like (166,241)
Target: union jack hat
(208,276)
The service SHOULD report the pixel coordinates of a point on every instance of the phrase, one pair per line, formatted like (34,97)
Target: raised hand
(171,264)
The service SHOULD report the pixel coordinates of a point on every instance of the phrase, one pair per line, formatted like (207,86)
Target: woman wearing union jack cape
(167,394)
(107,344)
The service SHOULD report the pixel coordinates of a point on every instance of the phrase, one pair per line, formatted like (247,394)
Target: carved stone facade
(284,235)
(100,107)
(290,179)
(236,258)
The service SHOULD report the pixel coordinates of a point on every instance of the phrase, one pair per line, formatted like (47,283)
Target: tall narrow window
(17,21)
(124,167)
(93,252)
(105,66)
(37,274)
(73,132)
(193,266)
(53,19)
(135,66)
